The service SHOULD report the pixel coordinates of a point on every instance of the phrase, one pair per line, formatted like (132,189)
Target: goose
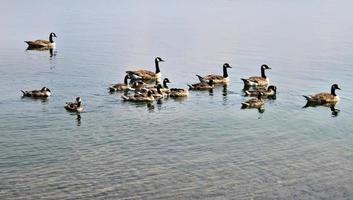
(217,79)
(164,88)
(158,93)
(139,97)
(146,74)
(270,92)
(178,92)
(42,43)
(120,86)
(254,102)
(202,86)
(257,81)
(74,106)
(44,92)
(324,97)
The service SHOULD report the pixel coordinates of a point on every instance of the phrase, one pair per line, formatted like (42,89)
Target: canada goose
(270,92)
(260,81)
(178,92)
(74,106)
(44,92)
(217,79)
(146,74)
(254,102)
(138,97)
(42,43)
(163,89)
(202,86)
(324,97)
(158,93)
(120,86)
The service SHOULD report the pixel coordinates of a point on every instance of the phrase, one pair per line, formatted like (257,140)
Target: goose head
(158,59)
(272,87)
(45,89)
(334,87)
(226,65)
(78,99)
(264,67)
(52,34)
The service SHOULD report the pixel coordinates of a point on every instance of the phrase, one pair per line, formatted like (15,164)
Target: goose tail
(201,79)
(190,87)
(308,98)
(125,98)
(244,105)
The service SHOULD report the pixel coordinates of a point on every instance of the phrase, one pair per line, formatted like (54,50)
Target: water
(203,147)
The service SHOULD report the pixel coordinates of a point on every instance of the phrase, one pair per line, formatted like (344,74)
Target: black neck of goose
(225,72)
(79,104)
(51,38)
(263,73)
(333,91)
(125,79)
(157,66)
(165,84)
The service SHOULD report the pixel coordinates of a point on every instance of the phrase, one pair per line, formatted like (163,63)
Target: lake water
(201,147)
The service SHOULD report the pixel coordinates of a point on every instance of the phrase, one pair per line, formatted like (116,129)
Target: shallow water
(201,147)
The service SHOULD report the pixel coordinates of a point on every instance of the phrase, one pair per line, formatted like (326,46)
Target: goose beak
(161,60)
(338,88)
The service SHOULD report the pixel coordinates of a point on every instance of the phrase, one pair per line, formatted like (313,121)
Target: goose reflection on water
(52,51)
(332,106)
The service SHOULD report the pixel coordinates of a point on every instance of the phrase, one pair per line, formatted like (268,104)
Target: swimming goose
(44,92)
(74,106)
(324,97)
(257,81)
(270,92)
(146,74)
(178,92)
(254,102)
(120,86)
(202,86)
(217,79)
(42,43)
(158,93)
(139,97)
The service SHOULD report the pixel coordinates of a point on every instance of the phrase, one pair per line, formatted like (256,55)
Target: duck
(74,106)
(178,92)
(217,79)
(42,43)
(257,102)
(147,75)
(139,97)
(120,86)
(269,92)
(257,81)
(44,92)
(324,97)
(202,85)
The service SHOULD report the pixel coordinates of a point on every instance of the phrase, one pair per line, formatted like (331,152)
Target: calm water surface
(202,147)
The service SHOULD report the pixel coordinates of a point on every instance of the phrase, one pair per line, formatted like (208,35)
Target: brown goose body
(269,92)
(178,92)
(120,86)
(254,102)
(202,86)
(139,97)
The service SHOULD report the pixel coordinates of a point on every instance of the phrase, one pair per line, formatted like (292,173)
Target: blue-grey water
(201,147)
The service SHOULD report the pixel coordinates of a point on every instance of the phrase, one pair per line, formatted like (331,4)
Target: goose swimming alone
(74,106)
(324,97)
(42,43)
(44,92)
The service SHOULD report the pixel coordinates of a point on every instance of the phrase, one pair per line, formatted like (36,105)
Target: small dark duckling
(254,102)
(270,92)
(43,93)
(202,86)
(74,106)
